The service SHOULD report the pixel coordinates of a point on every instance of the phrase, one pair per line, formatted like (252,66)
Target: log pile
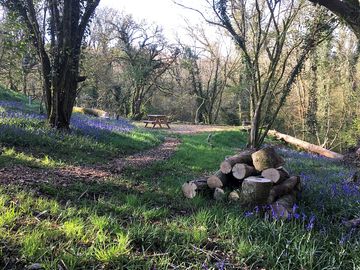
(252,178)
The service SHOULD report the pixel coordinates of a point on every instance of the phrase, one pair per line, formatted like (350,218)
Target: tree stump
(240,171)
(218,180)
(255,191)
(266,158)
(244,157)
(275,175)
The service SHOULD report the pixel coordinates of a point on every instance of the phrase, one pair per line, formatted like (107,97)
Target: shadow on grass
(35,144)
(164,229)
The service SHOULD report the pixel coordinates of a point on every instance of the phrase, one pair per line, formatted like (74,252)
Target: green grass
(31,142)
(140,220)
(10,95)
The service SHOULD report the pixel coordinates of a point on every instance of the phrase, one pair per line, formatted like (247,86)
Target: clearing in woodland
(108,196)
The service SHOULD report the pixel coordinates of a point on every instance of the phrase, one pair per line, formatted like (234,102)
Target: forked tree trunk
(66,25)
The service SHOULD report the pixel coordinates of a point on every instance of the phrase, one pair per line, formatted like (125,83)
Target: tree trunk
(64,95)
(255,191)
(136,113)
(266,158)
(244,157)
(275,175)
(240,171)
(305,145)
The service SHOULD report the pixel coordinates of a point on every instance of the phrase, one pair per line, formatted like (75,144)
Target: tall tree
(144,56)
(265,33)
(64,23)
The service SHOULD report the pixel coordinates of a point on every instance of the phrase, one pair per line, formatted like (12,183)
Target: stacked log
(191,188)
(259,178)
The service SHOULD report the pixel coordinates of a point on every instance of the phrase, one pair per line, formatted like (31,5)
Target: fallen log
(284,188)
(305,145)
(275,175)
(244,157)
(240,171)
(266,158)
(255,190)
(218,180)
(190,188)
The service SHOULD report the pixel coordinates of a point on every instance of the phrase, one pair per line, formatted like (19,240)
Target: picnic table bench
(157,119)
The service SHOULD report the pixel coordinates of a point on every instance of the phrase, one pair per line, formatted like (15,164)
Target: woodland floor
(108,196)
(67,175)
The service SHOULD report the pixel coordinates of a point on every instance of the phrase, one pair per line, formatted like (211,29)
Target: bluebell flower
(311,223)
(220,265)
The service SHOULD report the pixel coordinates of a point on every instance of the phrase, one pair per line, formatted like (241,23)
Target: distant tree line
(288,65)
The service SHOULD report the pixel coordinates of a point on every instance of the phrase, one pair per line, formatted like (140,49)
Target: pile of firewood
(254,178)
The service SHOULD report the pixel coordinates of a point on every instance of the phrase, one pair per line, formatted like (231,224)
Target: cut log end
(266,158)
(219,194)
(189,190)
(234,196)
(241,171)
(225,167)
(218,180)
(255,190)
(275,175)
(243,157)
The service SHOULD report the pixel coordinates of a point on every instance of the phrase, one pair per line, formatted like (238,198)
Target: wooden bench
(157,119)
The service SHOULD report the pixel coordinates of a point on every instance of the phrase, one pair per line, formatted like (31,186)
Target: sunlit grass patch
(73,228)
(11,156)
(33,245)
(8,216)
(99,222)
(113,251)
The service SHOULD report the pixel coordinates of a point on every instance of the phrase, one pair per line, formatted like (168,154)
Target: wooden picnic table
(157,119)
